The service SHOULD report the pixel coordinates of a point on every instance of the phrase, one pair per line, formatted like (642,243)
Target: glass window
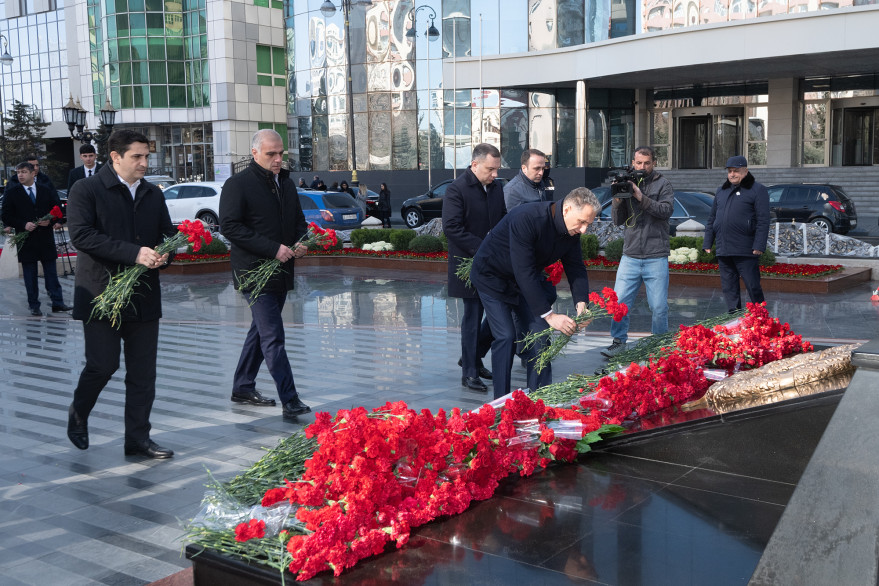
(176,72)
(172,192)
(177,96)
(485,27)
(307,203)
(156,48)
(137,24)
(159,96)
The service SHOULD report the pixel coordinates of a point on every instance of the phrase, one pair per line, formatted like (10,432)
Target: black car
(688,205)
(825,206)
(416,210)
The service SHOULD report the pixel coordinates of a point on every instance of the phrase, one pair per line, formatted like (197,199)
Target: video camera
(619,186)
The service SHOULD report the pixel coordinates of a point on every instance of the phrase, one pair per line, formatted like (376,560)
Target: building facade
(792,84)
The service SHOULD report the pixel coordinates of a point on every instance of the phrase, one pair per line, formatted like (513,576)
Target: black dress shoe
(149,448)
(60,308)
(295,407)
(77,430)
(473,383)
(36,313)
(484,373)
(252,398)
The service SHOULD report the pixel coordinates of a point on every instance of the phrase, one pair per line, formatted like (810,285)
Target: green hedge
(613,250)
(589,245)
(401,238)
(426,243)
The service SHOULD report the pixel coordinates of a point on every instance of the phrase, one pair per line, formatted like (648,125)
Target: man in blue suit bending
(508,271)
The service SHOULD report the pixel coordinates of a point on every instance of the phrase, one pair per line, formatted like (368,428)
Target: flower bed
(355,482)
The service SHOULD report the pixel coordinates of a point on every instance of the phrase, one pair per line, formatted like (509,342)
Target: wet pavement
(355,337)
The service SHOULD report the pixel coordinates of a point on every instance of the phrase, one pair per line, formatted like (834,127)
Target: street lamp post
(74,115)
(328,9)
(432,34)
(6,59)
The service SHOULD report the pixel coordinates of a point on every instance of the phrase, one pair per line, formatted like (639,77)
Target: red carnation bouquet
(19,237)
(255,280)
(602,305)
(117,295)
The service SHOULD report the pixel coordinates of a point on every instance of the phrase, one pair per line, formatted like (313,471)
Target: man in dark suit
(473,205)
(116,219)
(41,178)
(261,216)
(89,166)
(508,274)
(25,202)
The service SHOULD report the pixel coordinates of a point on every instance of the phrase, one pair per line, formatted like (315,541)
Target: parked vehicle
(195,201)
(162,181)
(330,209)
(825,206)
(688,205)
(416,210)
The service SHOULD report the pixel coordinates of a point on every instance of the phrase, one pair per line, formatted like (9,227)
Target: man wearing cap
(738,227)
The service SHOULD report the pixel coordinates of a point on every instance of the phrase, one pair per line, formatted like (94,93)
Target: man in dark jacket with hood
(527,186)
(473,205)
(738,226)
(261,216)
(116,219)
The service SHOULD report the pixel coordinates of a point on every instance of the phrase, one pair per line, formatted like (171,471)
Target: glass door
(858,137)
(693,143)
(727,138)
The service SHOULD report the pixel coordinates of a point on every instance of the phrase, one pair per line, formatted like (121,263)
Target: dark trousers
(746,267)
(30,271)
(265,342)
(102,346)
(475,337)
(503,326)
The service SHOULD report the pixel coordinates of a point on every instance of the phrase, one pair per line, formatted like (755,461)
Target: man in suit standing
(116,219)
(508,274)
(261,216)
(472,206)
(89,166)
(527,186)
(25,202)
(41,178)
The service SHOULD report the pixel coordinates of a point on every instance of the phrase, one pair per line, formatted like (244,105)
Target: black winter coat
(469,212)
(108,229)
(18,210)
(258,217)
(512,257)
(739,220)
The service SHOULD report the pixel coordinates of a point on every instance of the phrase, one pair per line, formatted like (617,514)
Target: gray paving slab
(355,337)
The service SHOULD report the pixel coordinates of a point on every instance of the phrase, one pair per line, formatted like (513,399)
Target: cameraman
(645,215)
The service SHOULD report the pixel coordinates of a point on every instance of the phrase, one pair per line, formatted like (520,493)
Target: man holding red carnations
(116,219)
(32,208)
(261,216)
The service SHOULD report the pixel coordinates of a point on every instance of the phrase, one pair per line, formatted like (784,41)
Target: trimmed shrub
(589,245)
(401,238)
(216,246)
(426,243)
(685,242)
(361,236)
(445,242)
(767,259)
(706,256)
(613,250)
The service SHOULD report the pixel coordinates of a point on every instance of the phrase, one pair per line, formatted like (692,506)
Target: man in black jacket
(261,216)
(508,274)
(472,206)
(89,167)
(25,202)
(41,178)
(116,219)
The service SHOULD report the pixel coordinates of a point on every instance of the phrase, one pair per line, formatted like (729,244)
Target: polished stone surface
(359,338)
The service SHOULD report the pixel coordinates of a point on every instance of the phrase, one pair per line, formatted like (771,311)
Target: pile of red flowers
(378,474)
(780,269)
(316,237)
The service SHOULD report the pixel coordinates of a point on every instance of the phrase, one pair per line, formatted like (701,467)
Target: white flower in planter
(381,245)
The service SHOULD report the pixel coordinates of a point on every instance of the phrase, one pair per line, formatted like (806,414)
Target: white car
(195,201)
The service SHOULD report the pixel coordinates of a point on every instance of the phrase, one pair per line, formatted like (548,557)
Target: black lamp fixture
(74,116)
(432,35)
(5,59)
(432,32)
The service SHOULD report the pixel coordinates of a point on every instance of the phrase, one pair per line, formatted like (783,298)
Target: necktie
(89,173)
(30,192)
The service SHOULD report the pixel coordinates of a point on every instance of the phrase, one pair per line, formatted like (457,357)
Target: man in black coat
(25,202)
(41,178)
(473,205)
(261,216)
(90,165)
(116,219)
(508,274)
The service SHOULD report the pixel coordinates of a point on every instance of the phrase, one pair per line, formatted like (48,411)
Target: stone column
(782,141)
